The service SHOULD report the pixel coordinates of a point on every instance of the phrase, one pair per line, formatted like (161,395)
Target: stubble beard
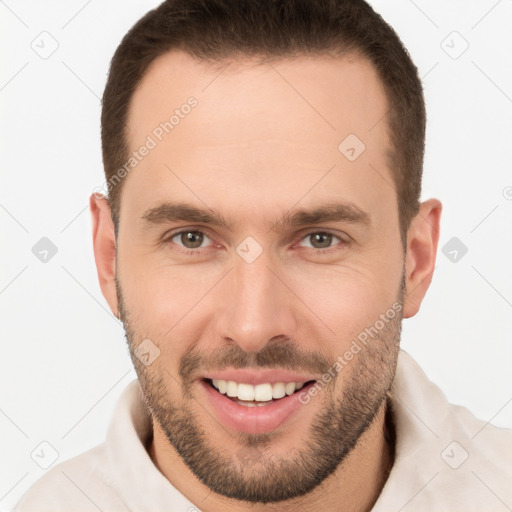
(251,472)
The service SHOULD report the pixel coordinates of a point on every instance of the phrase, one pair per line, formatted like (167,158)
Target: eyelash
(198,251)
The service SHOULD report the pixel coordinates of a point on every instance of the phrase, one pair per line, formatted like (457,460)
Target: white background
(64,359)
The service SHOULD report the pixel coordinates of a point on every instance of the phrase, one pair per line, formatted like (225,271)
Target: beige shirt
(445,460)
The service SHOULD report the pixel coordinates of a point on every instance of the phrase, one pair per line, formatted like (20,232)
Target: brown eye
(189,239)
(321,240)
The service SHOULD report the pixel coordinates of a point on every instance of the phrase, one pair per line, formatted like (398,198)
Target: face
(255,255)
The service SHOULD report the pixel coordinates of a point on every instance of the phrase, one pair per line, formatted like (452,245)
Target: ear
(104,242)
(422,240)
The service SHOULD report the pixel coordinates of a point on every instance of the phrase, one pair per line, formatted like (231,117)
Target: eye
(321,240)
(189,239)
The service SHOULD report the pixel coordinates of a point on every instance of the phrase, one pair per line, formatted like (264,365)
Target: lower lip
(253,420)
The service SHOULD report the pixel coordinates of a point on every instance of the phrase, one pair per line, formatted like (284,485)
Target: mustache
(284,355)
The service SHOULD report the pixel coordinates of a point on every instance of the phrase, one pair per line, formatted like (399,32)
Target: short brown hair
(216,29)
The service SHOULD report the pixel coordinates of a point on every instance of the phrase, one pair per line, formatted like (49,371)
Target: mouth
(259,395)
(254,408)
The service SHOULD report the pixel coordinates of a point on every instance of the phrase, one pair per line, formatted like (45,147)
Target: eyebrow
(332,212)
(172,212)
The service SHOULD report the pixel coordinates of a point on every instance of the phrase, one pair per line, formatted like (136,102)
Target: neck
(356,483)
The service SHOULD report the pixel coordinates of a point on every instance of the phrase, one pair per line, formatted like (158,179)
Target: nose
(258,308)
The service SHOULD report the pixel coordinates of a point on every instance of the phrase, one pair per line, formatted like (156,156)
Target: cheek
(164,301)
(349,298)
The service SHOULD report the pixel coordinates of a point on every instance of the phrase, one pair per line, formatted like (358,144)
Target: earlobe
(422,241)
(104,243)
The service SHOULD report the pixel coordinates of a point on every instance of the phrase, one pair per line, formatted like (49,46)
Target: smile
(259,395)
(257,407)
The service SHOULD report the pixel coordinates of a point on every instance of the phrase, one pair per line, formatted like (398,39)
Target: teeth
(263,392)
(278,390)
(259,393)
(252,404)
(289,388)
(231,388)
(245,392)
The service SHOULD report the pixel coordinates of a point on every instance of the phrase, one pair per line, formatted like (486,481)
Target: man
(261,242)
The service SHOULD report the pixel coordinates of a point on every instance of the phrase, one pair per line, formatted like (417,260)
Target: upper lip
(258,376)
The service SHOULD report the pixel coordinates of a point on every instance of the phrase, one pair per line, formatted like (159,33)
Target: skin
(252,150)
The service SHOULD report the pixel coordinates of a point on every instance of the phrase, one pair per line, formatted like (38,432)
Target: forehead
(332,94)
(260,128)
